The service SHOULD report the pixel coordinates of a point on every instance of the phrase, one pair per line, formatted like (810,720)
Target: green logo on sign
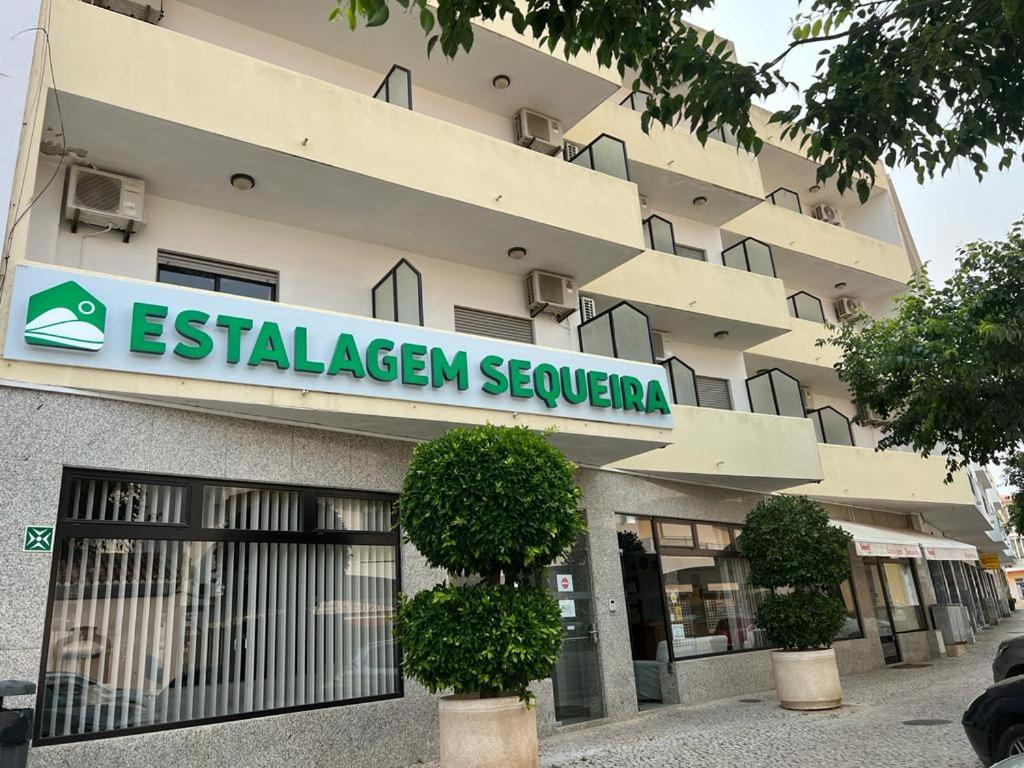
(38,538)
(65,316)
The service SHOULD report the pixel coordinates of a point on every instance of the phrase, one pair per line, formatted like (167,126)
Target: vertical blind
(147,631)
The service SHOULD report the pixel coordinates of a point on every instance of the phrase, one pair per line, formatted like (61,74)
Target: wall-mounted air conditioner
(570,149)
(828,213)
(537,132)
(868,417)
(551,293)
(104,200)
(588,309)
(846,307)
(143,11)
(662,345)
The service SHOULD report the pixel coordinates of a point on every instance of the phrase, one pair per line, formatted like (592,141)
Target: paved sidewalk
(867,732)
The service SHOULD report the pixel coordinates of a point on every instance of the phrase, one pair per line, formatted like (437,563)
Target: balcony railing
(831,426)
(682,380)
(776,392)
(659,234)
(750,255)
(636,101)
(622,331)
(806,307)
(396,88)
(785,198)
(606,154)
(725,134)
(399,295)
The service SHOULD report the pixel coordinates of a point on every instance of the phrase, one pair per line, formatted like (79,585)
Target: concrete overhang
(798,354)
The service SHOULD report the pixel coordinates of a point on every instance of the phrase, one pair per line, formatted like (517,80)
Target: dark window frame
(394,291)
(611,329)
(775,398)
(385,85)
(667,365)
(814,414)
(770,197)
(631,98)
(649,232)
(856,611)
(719,133)
(273,280)
(791,301)
(192,530)
(877,562)
(588,149)
(746,256)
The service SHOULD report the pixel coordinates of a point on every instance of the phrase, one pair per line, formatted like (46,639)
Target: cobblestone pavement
(867,732)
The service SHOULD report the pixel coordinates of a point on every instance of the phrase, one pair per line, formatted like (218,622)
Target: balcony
(185,115)
(673,170)
(693,300)
(748,451)
(811,252)
(796,352)
(894,481)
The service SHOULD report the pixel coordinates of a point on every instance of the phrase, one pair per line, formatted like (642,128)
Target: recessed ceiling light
(700,200)
(721,334)
(243,182)
(501,82)
(815,188)
(840,285)
(517,253)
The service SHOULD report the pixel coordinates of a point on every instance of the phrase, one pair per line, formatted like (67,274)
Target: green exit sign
(38,538)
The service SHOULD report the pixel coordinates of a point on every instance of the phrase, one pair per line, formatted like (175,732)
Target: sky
(943,212)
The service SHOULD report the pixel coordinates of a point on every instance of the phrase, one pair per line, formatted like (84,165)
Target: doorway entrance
(883,615)
(577,674)
(896,601)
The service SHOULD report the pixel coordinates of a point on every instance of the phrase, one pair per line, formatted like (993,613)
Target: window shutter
(496,326)
(714,393)
(689,252)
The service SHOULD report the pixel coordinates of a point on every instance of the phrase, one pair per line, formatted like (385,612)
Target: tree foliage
(945,373)
(915,82)
(791,546)
(1013,474)
(493,506)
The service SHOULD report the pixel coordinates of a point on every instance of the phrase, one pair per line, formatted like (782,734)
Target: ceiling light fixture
(815,188)
(700,200)
(501,82)
(517,253)
(721,334)
(243,182)
(840,286)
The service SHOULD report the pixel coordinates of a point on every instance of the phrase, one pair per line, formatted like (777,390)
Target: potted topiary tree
(795,552)
(492,506)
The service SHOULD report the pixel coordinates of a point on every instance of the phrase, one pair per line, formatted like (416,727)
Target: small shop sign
(989,561)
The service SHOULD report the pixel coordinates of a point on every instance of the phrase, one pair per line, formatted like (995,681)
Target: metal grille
(481,323)
(101,193)
(714,393)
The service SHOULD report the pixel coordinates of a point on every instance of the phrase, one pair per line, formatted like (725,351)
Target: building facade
(254,258)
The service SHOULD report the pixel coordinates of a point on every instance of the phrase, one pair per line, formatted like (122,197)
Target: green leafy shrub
(498,503)
(791,546)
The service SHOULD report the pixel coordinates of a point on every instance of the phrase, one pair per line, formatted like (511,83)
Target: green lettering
(497,382)
(633,395)
(596,384)
(519,378)
(143,328)
(656,400)
(185,324)
(234,326)
(381,368)
(546,384)
(580,394)
(302,361)
(616,389)
(441,370)
(413,363)
(346,358)
(269,347)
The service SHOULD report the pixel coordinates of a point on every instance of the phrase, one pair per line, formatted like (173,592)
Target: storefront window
(904,602)
(851,622)
(262,599)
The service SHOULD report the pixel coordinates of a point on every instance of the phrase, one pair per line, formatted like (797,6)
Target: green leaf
(379,17)
(426,20)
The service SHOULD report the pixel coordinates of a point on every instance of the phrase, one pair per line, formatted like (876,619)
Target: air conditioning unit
(551,293)
(828,213)
(570,149)
(846,307)
(142,11)
(104,199)
(588,309)
(662,345)
(867,417)
(537,132)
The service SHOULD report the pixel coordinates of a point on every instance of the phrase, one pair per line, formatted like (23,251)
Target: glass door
(883,614)
(577,674)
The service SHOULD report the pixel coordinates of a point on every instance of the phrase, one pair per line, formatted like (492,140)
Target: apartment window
(851,628)
(806,307)
(830,426)
(714,393)
(636,100)
(775,392)
(682,382)
(219,276)
(659,235)
(689,252)
(399,295)
(622,331)
(785,198)
(497,326)
(178,601)
(606,154)
(750,255)
(396,88)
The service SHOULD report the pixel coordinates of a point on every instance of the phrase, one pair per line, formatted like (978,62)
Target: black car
(1009,661)
(995,721)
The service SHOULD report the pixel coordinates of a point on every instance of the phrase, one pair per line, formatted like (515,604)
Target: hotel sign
(108,323)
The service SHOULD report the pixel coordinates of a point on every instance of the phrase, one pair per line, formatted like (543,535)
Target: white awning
(875,541)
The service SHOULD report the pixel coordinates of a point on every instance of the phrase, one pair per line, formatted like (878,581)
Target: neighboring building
(324,247)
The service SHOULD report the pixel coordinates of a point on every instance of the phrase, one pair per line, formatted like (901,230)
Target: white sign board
(568,608)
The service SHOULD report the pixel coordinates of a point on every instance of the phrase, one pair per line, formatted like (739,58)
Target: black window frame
(394,291)
(667,365)
(588,150)
(631,97)
(649,233)
(814,414)
(775,397)
(770,197)
(791,301)
(746,256)
(273,280)
(611,329)
(385,85)
(192,530)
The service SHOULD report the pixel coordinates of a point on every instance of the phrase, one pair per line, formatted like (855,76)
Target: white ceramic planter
(487,733)
(807,679)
